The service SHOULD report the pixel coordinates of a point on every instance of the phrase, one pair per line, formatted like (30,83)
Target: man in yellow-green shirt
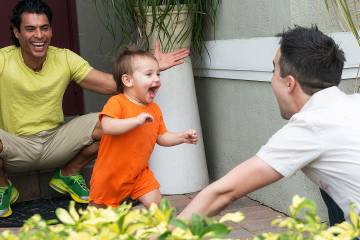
(33,79)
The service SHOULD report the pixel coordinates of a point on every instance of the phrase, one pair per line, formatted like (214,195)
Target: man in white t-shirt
(322,137)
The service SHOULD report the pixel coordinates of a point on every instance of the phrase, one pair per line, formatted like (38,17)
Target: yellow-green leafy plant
(124,222)
(304,223)
(160,222)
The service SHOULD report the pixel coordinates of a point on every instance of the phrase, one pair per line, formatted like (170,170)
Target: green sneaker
(8,195)
(74,185)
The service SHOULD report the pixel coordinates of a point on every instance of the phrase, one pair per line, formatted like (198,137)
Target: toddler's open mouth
(153,90)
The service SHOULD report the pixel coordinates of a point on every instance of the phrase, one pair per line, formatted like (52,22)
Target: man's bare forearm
(243,179)
(208,202)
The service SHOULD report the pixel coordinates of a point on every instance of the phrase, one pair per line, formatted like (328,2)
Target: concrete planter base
(180,169)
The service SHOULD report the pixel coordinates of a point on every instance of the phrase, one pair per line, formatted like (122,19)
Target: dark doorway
(65,32)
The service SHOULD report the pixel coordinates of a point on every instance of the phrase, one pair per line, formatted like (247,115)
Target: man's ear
(127,80)
(291,83)
(15,31)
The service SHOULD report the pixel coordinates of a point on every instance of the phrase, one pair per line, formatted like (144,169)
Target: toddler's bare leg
(150,197)
(97,205)
(3,179)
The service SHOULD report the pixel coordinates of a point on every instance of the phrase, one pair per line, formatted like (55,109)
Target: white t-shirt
(323,140)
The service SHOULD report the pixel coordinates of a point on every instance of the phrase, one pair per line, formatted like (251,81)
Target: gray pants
(47,149)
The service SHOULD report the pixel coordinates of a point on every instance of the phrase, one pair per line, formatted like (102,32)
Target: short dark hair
(312,57)
(124,63)
(29,6)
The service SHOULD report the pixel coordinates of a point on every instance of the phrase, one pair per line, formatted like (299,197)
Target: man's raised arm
(170,59)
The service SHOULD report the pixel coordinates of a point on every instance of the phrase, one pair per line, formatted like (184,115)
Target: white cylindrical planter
(179,169)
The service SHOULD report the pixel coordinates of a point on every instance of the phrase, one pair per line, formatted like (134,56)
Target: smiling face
(144,81)
(34,36)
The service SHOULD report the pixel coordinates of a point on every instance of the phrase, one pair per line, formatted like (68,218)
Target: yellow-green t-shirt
(31,102)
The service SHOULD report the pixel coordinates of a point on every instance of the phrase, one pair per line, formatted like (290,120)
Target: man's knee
(97,132)
(90,150)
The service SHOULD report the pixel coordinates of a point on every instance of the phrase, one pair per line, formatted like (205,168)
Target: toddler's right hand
(144,117)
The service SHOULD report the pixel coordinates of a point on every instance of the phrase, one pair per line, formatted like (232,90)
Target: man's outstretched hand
(170,59)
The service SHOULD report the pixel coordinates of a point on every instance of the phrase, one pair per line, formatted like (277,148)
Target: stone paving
(258,217)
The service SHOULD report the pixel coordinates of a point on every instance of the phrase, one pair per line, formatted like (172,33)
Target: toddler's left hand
(190,136)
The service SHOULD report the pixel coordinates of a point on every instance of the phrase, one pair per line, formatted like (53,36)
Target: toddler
(132,123)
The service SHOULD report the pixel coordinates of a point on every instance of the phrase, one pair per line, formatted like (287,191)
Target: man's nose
(38,33)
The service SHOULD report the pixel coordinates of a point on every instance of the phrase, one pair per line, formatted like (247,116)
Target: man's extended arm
(100,82)
(248,176)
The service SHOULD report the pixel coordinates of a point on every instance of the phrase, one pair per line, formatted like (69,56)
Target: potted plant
(140,21)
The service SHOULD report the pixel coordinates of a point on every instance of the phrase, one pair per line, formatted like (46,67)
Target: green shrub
(304,223)
(124,222)
(160,222)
